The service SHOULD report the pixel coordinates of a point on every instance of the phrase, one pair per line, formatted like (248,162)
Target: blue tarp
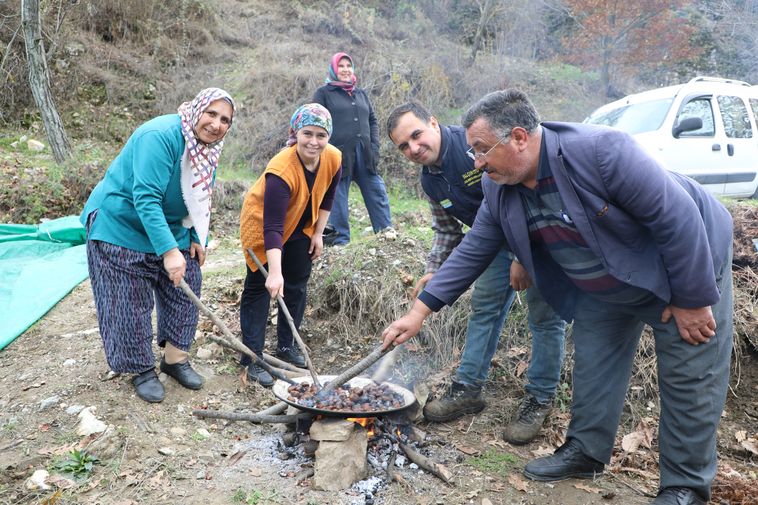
(39,265)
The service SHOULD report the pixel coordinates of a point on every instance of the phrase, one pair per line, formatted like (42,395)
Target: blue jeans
(490,302)
(374,195)
(692,381)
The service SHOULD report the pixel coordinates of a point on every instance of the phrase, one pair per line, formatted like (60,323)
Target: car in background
(705,129)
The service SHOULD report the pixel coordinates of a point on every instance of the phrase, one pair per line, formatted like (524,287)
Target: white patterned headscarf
(200,161)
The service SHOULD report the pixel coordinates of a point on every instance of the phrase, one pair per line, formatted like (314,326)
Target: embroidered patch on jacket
(446,203)
(472,177)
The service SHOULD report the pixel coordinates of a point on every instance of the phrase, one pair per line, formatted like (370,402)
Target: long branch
(290,322)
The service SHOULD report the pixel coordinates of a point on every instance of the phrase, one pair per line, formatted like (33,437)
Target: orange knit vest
(286,165)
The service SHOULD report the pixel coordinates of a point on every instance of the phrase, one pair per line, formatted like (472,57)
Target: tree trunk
(485,13)
(39,81)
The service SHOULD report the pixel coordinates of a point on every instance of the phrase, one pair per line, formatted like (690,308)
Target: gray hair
(414,108)
(504,110)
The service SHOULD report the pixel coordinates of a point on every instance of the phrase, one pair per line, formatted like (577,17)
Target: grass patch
(494,462)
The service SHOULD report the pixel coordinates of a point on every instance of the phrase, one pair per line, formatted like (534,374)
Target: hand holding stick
(291,323)
(230,341)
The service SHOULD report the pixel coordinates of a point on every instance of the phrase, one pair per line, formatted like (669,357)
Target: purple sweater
(275,201)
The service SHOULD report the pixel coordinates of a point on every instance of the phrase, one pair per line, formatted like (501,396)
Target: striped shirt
(552,229)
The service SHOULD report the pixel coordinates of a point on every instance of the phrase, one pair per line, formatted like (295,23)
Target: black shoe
(291,355)
(256,373)
(568,461)
(148,387)
(678,496)
(460,399)
(183,373)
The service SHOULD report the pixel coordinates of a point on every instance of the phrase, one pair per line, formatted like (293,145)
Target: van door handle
(730,149)
(716,147)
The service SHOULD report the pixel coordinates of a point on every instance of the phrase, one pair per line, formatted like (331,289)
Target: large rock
(340,464)
(333,430)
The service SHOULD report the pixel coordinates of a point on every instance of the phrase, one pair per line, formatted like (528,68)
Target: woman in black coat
(356,134)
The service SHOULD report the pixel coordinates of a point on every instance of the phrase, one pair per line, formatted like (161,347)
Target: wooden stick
(355,369)
(393,474)
(230,341)
(276,362)
(290,321)
(427,464)
(253,418)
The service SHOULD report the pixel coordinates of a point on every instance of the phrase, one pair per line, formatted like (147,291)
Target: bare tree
(39,80)
(486,13)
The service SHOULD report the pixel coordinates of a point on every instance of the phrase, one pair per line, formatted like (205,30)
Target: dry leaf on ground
(518,483)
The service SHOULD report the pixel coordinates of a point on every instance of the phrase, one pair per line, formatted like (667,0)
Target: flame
(366,422)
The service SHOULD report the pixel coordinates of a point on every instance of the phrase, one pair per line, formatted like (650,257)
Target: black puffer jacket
(354,123)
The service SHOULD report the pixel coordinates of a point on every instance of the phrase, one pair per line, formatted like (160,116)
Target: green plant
(78,464)
(563,397)
(253,497)
(494,462)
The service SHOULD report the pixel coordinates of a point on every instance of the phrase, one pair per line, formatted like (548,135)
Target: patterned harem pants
(126,285)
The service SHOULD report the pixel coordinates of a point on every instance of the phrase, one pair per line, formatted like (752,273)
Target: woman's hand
(196,250)
(275,284)
(175,265)
(317,245)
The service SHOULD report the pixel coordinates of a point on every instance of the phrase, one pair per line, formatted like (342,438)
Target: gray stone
(335,430)
(49,402)
(340,464)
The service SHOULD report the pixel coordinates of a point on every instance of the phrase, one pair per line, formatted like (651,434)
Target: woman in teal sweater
(147,223)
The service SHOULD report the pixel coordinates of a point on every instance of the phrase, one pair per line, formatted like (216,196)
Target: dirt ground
(162,454)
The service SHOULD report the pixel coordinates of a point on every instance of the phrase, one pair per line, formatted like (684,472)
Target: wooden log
(354,370)
(253,418)
(437,469)
(290,322)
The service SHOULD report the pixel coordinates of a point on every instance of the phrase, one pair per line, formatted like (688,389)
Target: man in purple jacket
(613,241)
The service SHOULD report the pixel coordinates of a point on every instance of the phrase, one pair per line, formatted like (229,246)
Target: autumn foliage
(622,38)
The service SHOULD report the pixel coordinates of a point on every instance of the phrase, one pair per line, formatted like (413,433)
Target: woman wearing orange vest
(283,219)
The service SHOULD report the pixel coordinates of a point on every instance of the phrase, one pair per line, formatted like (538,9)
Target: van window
(754,106)
(699,107)
(735,117)
(635,118)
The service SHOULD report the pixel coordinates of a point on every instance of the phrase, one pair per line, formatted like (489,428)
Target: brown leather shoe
(459,400)
(528,421)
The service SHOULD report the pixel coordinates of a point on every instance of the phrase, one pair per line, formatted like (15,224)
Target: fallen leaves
(589,489)
(518,483)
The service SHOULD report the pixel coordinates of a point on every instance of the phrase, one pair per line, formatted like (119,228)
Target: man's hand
(696,326)
(407,326)
(197,250)
(175,265)
(421,283)
(520,279)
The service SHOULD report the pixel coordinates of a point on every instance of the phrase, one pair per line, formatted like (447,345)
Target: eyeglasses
(480,156)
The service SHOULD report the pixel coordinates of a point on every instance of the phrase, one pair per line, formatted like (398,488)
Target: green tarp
(39,265)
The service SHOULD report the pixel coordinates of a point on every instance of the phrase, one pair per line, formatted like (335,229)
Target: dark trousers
(256,300)
(692,381)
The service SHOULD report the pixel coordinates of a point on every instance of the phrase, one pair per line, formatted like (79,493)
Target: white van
(705,129)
